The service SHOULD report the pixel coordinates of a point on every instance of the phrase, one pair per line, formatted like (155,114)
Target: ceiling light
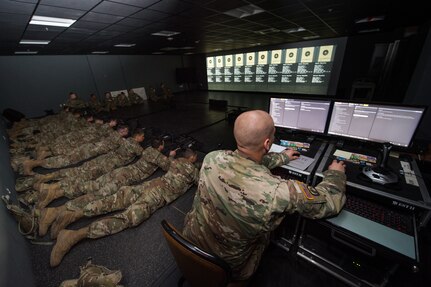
(100,52)
(170,38)
(294,30)
(369,30)
(370,19)
(255,44)
(311,37)
(267,31)
(244,11)
(158,53)
(34,42)
(125,45)
(26,52)
(187,48)
(51,21)
(169,49)
(189,53)
(165,33)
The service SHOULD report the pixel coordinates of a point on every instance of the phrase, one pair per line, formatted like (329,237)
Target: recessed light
(370,19)
(244,11)
(125,45)
(170,38)
(189,53)
(51,21)
(165,33)
(158,53)
(34,42)
(294,30)
(26,52)
(369,30)
(100,52)
(311,37)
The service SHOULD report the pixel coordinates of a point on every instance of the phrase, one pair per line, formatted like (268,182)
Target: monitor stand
(381,174)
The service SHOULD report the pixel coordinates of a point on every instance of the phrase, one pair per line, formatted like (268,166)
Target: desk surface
(385,236)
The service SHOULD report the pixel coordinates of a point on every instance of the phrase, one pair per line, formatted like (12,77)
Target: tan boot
(46,177)
(63,220)
(28,166)
(65,241)
(47,217)
(47,194)
(43,154)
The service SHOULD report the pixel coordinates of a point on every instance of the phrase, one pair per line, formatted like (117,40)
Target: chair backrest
(198,267)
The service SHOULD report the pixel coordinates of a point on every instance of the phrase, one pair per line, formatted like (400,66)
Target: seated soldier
(136,204)
(134,98)
(123,100)
(109,103)
(94,104)
(152,95)
(74,102)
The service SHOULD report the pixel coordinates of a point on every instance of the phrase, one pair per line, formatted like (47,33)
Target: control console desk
(378,228)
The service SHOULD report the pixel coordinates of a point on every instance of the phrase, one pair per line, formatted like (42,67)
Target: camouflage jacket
(239,202)
(180,177)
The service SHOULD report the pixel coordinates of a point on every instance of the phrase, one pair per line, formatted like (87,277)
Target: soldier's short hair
(188,153)
(138,131)
(156,142)
(120,127)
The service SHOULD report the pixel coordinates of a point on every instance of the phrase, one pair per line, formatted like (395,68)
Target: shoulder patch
(304,189)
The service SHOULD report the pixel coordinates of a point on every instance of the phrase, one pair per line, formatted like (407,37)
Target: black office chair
(199,268)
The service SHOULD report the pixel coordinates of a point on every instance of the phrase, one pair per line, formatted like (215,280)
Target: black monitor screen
(377,123)
(300,114)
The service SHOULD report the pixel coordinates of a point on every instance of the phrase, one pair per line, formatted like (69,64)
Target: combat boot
(63,220)
(29,198)
(43,178)
(27,220)
(65,241)
(42,155)
(28,166)
(24,183)
(47,194)
(98,275)
(47,217)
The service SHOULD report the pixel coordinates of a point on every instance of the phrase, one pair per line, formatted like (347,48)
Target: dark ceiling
(203,24)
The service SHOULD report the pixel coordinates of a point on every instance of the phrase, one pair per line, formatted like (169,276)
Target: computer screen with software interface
(376,123)
(300,114)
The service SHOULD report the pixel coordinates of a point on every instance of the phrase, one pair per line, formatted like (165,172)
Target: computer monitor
(376,123)
(300,114)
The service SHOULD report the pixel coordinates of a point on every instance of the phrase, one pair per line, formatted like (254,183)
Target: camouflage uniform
(84,152)
(95,105)
(140,201)
(134,98)
(123,100)
(109,183)
(92,133)
(128,150)
(239,202)
(76,104)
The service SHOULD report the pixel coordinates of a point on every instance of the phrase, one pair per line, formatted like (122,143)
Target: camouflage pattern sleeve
(326,199)
(164,162)
(273,159)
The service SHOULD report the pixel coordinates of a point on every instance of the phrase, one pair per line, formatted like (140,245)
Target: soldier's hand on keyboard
(337,165)
(292,154)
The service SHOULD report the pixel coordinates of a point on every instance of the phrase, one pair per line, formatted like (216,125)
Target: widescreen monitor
(376,123)
(300,114)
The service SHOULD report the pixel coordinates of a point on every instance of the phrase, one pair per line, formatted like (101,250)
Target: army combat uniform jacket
(239,202)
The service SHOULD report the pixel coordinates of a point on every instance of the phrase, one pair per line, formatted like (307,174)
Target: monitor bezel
(302,98)
(425,108)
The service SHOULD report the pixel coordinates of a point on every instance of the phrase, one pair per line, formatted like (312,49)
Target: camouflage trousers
(86,151)
(108,183)
(138,203)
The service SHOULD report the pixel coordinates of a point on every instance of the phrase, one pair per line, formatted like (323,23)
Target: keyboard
(380,214)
